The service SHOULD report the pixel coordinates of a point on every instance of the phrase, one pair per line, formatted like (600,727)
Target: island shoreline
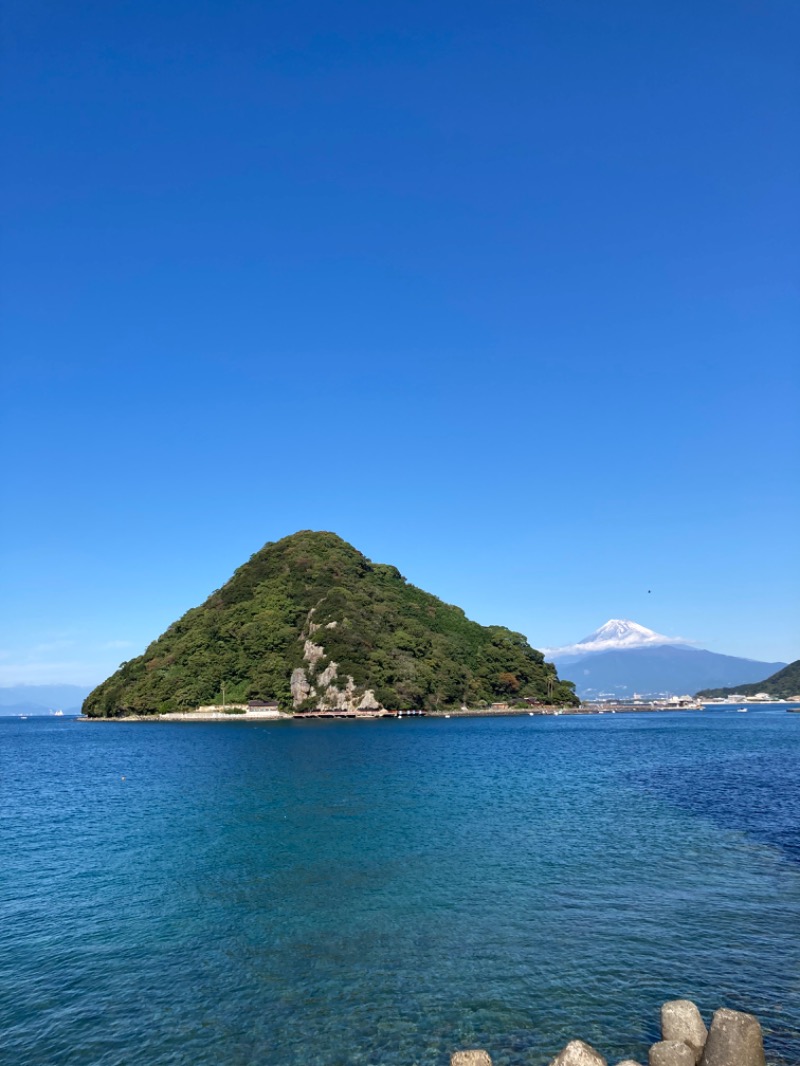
(505,712)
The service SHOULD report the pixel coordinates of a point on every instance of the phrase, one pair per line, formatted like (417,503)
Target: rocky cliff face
(315,683)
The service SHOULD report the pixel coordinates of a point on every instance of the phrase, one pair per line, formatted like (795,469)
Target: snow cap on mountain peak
(617,634)
(624,632)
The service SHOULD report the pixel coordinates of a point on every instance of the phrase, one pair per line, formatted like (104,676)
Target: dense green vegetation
(783,685)
(411,649)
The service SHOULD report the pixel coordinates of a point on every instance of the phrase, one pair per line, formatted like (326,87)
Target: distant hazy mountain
(783,685)
(40,699)
(622,658)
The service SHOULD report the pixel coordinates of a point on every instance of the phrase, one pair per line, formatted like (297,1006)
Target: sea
(387,892)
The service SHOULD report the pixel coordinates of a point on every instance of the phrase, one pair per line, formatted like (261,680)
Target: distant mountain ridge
(622,659)
(783,685)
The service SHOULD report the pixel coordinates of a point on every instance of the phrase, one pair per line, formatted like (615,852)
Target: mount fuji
(623,658)
(617,634)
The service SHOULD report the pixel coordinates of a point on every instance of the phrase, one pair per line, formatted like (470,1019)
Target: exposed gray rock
(307,683)
(577,1053)
(327,675)
(628,1062)
(671,1053)
(470,1058)
(312,653)
(339,699)
(734,1039)
(681,1020)
(299,686)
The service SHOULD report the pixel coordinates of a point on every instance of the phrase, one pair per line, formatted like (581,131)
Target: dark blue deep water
(385,892)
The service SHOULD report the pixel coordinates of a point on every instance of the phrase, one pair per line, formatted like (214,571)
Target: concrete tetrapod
(671,1053)
(680,1020)
(734,1039)
(577,1053)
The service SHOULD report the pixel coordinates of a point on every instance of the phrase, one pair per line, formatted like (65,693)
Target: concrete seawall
(197,716)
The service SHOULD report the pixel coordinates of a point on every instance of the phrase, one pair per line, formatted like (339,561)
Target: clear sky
(504,293)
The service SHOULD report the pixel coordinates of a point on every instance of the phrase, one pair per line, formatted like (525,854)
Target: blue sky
(503,293)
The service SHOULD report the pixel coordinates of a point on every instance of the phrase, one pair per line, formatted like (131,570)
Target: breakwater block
(734,1039)
(681,1020)
(671,1053)
(577,1053)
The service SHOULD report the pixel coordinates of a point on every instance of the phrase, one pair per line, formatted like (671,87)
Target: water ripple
(223,894)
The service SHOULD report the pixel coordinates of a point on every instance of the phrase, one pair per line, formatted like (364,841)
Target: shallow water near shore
(384,892)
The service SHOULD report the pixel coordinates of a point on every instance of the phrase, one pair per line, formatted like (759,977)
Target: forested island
(782,685)
(311,623)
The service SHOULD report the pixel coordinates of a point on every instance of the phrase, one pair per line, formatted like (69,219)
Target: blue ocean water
(384,892)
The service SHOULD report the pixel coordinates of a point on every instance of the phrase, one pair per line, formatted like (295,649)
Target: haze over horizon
(505,295)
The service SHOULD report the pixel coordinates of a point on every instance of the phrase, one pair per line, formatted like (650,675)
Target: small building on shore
(262,705)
